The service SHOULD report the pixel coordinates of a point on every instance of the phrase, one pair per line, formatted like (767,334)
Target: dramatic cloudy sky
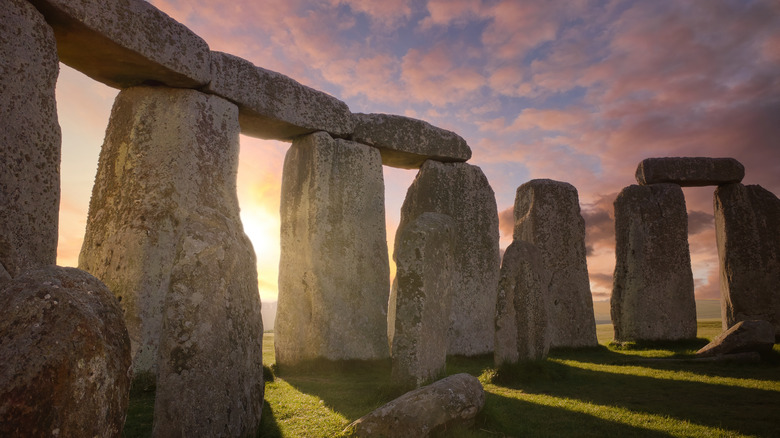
(572,90)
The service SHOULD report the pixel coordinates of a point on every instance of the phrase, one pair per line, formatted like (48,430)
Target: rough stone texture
(406,143)
(29,140)
(456,399)
(462,191)
(747,229)
(334,269)
(65,356)
(522,324)
(419,314)
(123,43)
(690,171)
(547,214)
(272,105)
(164,233)
(652,294)
(743,337)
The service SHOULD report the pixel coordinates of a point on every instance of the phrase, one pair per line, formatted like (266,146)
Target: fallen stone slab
(30,139)
(419,309)
(406,143)
(456,399)
(744,337)
(123,43)
(547,214)
(652,294)
(690,171)
(274,106)
(522,325)
(747,231)
(65,356)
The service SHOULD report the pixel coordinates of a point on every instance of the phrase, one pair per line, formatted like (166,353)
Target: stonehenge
(165,237)
(652,296)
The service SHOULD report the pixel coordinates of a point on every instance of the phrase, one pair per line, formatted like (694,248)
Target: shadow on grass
(269,428)
(748,411)
(351,388)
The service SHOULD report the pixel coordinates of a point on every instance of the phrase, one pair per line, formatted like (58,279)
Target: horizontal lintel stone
(407,143)
(690,171)
(123,43)
(274,106)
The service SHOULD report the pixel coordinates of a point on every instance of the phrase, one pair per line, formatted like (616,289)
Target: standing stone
(522,324)
(65,356)
(690,171)
(421,298)
(462,191)
(547,214)
(30,140)
(652,295)
(164,233)
(333,269)
(747,229)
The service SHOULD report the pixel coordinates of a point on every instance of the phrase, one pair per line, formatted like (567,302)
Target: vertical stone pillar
(547,214)
(421,299)
(522,324)
(164,234)
(30,140)
(747,229)
(462,191)
(334,278)
(652,295)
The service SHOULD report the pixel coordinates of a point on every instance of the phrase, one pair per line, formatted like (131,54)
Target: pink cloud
(387,13)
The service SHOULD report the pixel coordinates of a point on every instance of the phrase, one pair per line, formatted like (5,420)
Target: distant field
(705,309)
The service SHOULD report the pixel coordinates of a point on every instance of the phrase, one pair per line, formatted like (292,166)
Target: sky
(574,90)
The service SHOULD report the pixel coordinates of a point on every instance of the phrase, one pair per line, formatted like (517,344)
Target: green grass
(602,391)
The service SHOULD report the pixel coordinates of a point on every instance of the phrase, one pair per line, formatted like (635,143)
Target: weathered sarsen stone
(424,411)
(123,43)
(522,324)
(273,106)
(406,143)
(547,214)
(743,337)
(333,269)
(65,356)
(29,140)
(747,229)
(690,171)
(652,294)
(420,300)
(164,233)
(462,191)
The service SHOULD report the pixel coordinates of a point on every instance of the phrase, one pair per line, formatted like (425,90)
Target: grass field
(596,392)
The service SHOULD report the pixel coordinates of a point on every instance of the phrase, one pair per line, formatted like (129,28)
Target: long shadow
(505,416)
(744,410)
(269,428)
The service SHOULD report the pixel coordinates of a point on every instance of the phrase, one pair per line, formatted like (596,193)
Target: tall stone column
(30,140)
(334,278)
(547,214)
(652,295)
(462,191)
(164,234)
(421,299)
(747,229)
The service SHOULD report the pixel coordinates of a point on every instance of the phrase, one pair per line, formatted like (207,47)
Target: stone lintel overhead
(123,43)
(407,143)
